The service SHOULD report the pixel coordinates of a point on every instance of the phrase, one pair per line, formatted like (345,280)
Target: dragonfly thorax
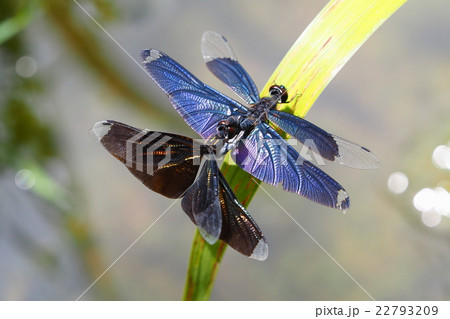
(257,113)
(278,94)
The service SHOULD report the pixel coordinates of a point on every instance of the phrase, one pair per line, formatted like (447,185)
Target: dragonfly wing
(302,177)
(239,230)
(201,106)
(259,155)
(163,162)
(222,62)
(268,157)
(329,146)
(202,202)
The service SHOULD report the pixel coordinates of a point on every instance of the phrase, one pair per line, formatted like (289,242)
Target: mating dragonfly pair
(166,163)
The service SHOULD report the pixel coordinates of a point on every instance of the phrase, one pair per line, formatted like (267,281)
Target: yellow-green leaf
(324,48)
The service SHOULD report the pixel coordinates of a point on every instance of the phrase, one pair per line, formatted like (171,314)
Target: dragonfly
(169,165)
(246,130)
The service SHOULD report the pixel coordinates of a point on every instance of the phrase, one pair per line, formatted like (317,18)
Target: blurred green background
(68,209)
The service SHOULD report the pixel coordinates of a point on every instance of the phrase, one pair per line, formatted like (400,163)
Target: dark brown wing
(163,162)
(168,164)
(239,230)
(202,202)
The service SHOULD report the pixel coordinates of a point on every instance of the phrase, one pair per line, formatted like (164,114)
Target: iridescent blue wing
(259,155)
(302,177)
(329,146)
(201,106)
(222,62)
(276,161)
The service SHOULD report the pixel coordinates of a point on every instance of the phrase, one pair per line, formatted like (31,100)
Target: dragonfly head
(279,92)
(221,129)
(228,129)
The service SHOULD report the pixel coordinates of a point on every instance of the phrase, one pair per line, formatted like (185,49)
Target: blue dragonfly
(245,130)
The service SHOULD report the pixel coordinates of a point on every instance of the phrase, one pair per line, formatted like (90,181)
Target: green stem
(205,259)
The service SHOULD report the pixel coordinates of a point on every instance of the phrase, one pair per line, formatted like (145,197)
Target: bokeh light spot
(424,199)
(431,218)
(26,67)
(442,203)
(24,179)
(397,182)
(441,157)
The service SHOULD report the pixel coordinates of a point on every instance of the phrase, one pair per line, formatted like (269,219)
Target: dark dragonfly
(169,165)
(256,146)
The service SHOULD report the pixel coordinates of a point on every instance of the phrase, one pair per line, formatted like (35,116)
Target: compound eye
(284,94)
(280,92)
(273,90)
(222,129)
(222,125)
